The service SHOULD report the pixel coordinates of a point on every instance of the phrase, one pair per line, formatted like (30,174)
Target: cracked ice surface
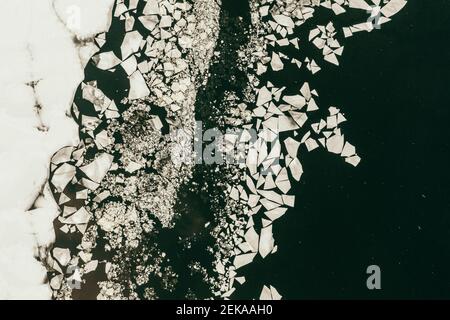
(43,55)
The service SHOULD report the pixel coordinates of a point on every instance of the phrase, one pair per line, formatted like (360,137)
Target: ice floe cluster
(105,164)
(121,180)
(287,120)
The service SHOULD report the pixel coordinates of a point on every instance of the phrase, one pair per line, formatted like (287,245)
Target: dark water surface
(393,210)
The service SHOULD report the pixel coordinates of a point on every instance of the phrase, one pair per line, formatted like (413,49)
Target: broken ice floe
(277,112)
(269,293)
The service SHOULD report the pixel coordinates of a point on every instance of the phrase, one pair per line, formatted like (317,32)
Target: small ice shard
(337,9)
(228,293)
(313,33)
(130,44)
(331,122)
(56,281)
(102,140)
(106,60)
(220,268)
(138,86)
(296,169)
(272,196)
(149,22)
(299,117)
(393,7)
(269,293)
(234,194)
(63,155)
(359,4)
(266,294)
(86,257)
(82,216)
(252,239)
(348,150)
(243,259)
(354,160)
(296,101)
(62,255)
(335,144)
(332,59)
(152,7)
(266,241)
(62,176)
(274,293)
(275,213)
(67,211)
(311,144)
(264,96)
(264,10)
(83,194)
(185,42)
(165,22)
(289,200)
(347,32)
(63,199)
(276,62)
(98,168)
(133,166)
(282,181)
(89,184)
(286,123)
(240,280)
(269,183)
(284,21)
(253,200)
(129,65)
